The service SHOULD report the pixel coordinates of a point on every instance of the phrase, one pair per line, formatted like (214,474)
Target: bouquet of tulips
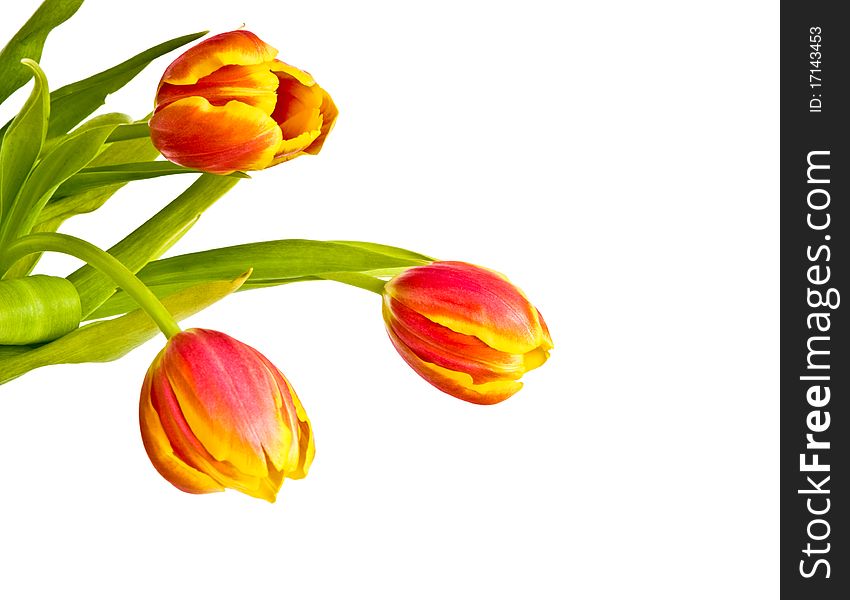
(214,413)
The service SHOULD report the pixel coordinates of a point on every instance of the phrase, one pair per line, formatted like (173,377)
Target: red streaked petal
(459,385)
(217,139)
(229,399)
(231,48)
(158,447)
(187,447)
(302,448)
(471,300)
(254,85)
(440,345)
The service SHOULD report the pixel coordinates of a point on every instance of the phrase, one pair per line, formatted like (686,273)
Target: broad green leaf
(37,309)
(73,103)
(29,42)
(273,263)
(22,145)
(152,238)
(105,341)
(69,156)
(93,177)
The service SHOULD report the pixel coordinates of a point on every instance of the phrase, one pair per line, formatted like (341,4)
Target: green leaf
(22,145)
(37,309)
(273,263)
(73,103)
(10,351)
(29,42)
(131,131)
(121,152)
(69,156)
(115,119)
(58,211)
(94,177)
(152,238)
(393,251)
(105,341)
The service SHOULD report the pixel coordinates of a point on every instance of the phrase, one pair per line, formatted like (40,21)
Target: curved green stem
(361,280)
(100,260)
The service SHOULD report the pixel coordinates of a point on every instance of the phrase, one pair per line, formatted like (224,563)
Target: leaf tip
(242,278)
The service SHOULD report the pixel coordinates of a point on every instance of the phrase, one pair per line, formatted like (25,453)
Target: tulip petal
(298,113)
(329,114)
(186,445)
(159,449)
(217,139)
(237,421)
(231,48)
(254,85)
(301,448)
(302,77)
(269,487)
(459,385)
(471,300)
(298,109)
(440,345)
(547,337)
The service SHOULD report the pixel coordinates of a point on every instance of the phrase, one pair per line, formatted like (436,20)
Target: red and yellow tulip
(465,329)
(215,414)
(227,104)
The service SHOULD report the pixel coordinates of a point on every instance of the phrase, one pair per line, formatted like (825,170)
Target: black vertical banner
(815,271)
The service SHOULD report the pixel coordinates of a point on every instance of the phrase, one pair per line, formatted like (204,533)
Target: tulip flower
(227,104)
(465,329)
(215,414)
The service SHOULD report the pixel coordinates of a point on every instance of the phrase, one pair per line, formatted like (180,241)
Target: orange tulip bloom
(215,414)
(465,329)
(227,104)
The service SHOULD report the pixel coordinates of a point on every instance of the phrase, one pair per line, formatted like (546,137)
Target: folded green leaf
(94,177)
(105,341)
(152,238)
(29,43)
(21,147)
(37,309)
(273,263)
(73,103)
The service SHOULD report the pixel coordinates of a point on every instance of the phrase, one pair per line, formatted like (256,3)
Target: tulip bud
(465,329)
(227,104)
(215,414)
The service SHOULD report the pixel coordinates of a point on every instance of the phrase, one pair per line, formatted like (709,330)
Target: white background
(618,160)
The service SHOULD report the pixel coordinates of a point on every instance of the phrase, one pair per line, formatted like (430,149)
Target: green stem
(364,282)
(100,260)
